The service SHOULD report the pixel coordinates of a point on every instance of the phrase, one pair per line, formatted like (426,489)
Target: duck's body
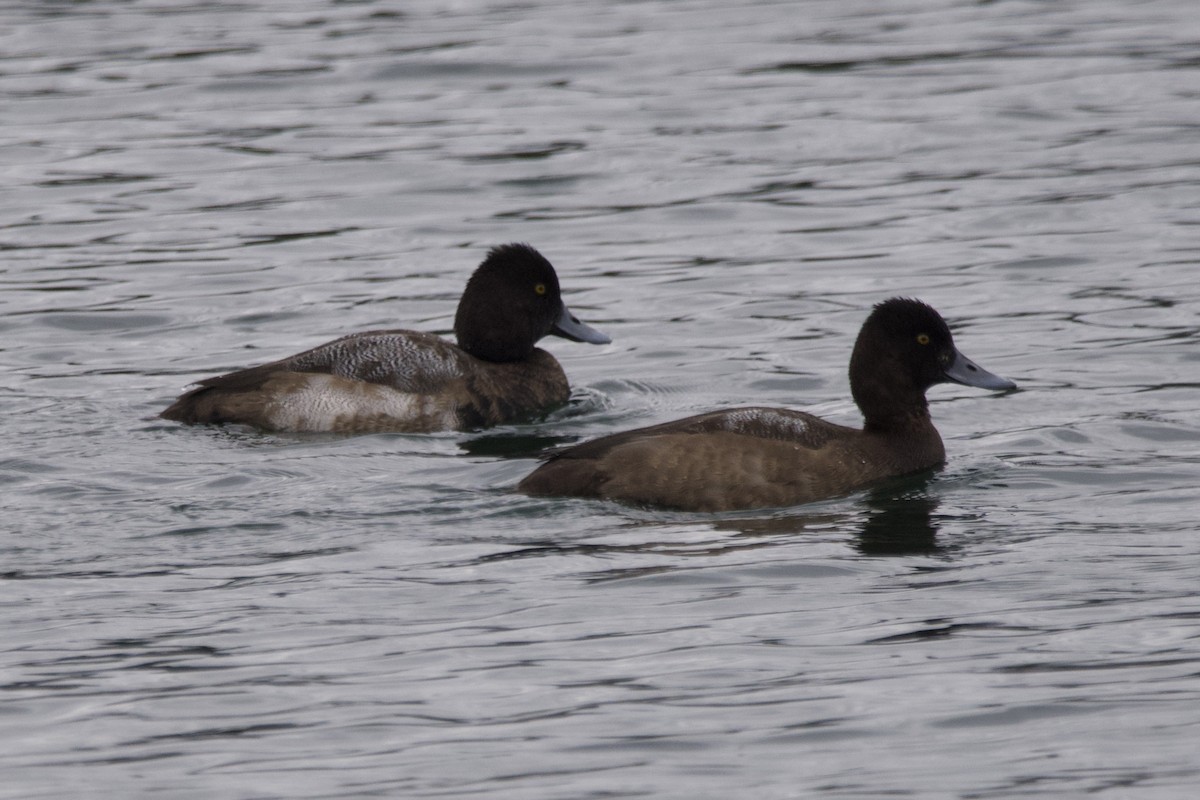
(409,381)
(399,381)
(763,457)
(751,457)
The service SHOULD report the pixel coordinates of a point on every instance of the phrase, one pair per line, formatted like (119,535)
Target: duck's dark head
(511,302)
(905,347)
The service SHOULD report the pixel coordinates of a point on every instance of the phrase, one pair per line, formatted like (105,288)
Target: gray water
(725,189)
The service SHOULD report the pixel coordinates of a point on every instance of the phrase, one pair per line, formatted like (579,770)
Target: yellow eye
(922,338)
(540,288)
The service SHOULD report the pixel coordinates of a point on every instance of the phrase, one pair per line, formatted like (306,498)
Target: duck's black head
(511,302)
(905,347)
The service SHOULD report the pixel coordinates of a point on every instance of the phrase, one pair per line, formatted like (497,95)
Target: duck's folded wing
(759,422)
(409,361)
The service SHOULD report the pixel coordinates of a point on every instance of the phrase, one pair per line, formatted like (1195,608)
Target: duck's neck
(494,350)
(909,432)
(891,418)
(889,401)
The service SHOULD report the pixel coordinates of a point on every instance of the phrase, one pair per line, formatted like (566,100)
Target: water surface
(725,189)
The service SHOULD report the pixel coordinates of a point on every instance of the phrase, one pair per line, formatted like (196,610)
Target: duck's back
(401,381)
(740,458)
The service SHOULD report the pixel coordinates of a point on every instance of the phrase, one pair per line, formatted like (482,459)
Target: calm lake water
(726,189)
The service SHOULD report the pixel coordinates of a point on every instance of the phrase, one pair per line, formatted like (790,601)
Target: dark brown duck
(412,382)
(762,457)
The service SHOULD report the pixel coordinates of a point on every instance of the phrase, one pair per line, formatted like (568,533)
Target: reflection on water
(900,519)
(513,444)
(893,519)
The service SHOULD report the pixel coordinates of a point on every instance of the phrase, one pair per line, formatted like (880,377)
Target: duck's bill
(571,328)
(965,371)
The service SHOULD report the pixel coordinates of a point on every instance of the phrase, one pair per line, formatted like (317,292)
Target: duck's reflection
(513,444)
(897,519)
(900,520)
(894,519)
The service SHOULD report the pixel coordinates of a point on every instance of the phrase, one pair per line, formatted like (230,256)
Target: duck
(760,457)
(406,381)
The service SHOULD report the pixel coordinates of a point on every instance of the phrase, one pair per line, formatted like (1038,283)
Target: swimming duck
(762,457)
(409,381)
